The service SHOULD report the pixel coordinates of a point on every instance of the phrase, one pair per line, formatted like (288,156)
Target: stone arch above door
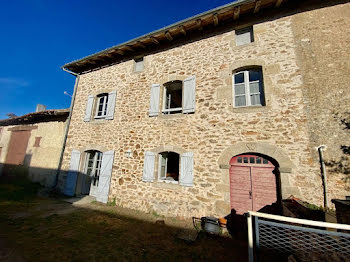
(284,162)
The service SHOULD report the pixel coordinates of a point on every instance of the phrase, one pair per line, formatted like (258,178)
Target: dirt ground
(49,229)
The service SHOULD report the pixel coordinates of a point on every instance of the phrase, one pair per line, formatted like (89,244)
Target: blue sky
(39,36)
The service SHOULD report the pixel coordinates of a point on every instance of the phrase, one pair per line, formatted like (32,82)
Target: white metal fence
(307,240)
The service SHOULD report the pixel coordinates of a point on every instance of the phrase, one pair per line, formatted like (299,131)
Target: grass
(88,235)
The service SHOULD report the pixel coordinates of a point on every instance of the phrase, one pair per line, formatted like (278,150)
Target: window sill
(98,121)
(167,185)
(171,116)
(249,109)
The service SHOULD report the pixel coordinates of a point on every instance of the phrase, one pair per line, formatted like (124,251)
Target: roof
(37,117)
(179,31)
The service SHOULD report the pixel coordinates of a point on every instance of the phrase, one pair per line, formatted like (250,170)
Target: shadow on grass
(94,235)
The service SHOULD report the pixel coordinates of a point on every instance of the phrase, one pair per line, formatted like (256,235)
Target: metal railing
(305,239)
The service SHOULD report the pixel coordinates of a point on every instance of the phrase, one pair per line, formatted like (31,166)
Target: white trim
(168,110)
(104,106)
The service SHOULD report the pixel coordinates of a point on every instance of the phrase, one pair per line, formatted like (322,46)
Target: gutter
(67,127)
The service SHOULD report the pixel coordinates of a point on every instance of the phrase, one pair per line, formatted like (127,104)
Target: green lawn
(91,235)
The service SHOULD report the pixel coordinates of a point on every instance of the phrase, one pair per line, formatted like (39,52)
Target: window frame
(247,93)
(163,180)
(97,158)
(103,96)
(167,111)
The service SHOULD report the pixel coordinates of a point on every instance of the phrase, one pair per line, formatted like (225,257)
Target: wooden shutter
(186,176)
(89,105)
(105,176)
(71,179)
(111,104)
(148,167)
(189,95)
(154,100)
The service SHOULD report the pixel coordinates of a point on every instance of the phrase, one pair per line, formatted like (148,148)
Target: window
(172,97)
(178,97)
(248,88)
(93,166)
(37,141)
(168,167)
(139,64)
(244,36)
(101,106)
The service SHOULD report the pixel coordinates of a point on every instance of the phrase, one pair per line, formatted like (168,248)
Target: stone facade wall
(322,37)
(280,129)
(42,161)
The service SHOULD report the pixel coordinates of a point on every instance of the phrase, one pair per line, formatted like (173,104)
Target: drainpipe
(320,150)
(67,126)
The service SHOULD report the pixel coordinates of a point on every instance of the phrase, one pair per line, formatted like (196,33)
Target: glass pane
(258,160)
(254,75)
(255,100)
(245,159)
(254,87)
(240,89)
(105,111)
(239,78)
(265,161)
(240,101)
(239,160)
(252,160)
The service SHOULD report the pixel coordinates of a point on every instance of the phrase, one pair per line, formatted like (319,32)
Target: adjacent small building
(31,144)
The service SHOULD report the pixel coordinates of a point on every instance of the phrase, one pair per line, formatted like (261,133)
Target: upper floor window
(172,97)
(244,36)
(248,88)
(178,96)
(100,106)
(139,64)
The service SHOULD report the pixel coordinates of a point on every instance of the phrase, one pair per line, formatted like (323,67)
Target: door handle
(250,194)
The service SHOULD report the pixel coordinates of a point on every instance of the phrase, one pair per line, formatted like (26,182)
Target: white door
(92,171)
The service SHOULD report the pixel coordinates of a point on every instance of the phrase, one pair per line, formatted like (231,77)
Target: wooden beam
(168,36)
(199,24)
(257,6)
(154,40)
(129,48)
(139,43)
(121,52)
(215,19)
(236,12)
(278,3)
(182,29)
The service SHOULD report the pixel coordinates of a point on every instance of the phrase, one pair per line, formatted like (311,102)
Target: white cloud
(11,82)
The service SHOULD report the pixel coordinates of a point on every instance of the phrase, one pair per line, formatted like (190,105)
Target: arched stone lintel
(169,148)
(285,164)
(172,77)
(93,147)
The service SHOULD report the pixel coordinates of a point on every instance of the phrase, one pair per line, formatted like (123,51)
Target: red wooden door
(252,183)
(17,147)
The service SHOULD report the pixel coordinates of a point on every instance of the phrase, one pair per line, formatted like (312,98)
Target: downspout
(67,126)
(320,150)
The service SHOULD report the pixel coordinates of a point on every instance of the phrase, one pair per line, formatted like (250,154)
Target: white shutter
(154,100)
(111,104)
(71,179)
(189,95)
(89,105)
(148,167)
(105,176)
(244,36)
(186,176)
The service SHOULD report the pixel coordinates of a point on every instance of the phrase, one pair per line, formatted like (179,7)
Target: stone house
(32,144)
(219,111)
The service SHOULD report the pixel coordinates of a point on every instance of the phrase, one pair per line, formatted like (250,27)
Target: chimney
(40,107)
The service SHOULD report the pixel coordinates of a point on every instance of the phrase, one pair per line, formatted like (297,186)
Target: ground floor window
(169,166)
(93,166)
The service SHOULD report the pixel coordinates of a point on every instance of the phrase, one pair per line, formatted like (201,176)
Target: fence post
(250,237)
